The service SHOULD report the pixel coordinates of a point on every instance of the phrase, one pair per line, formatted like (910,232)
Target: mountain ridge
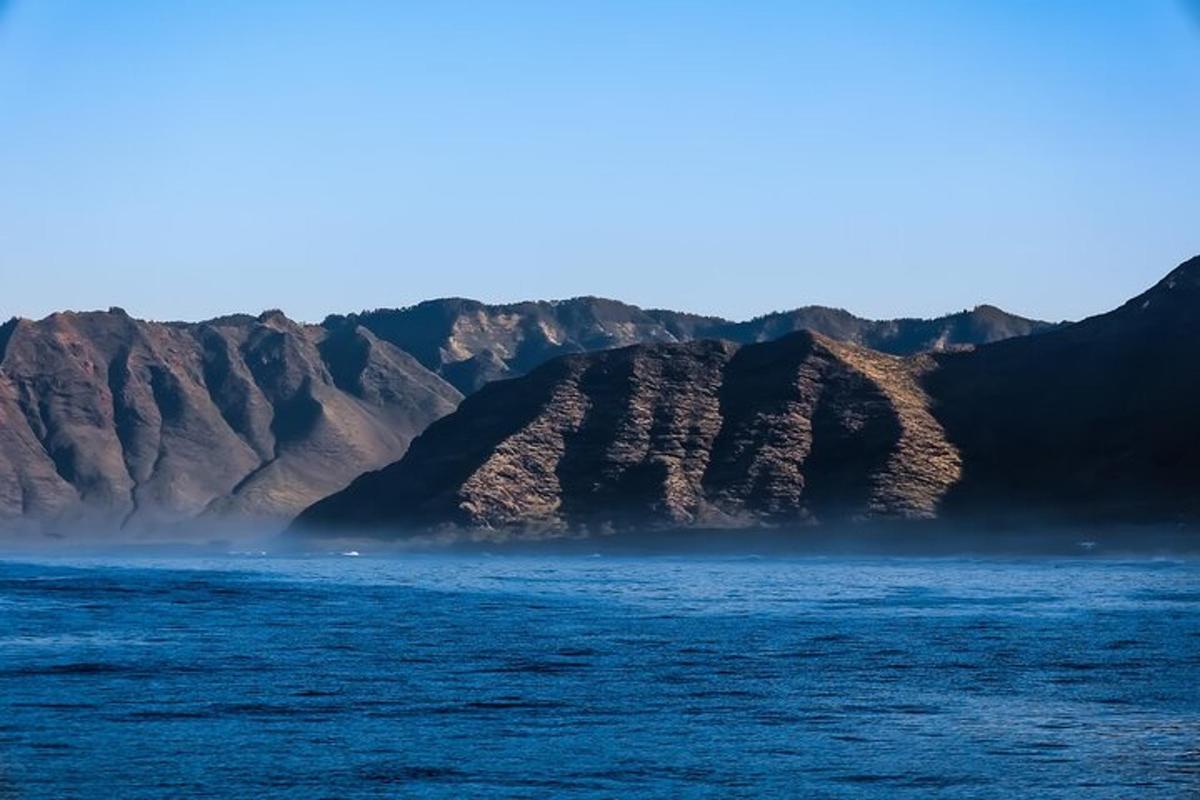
(1089,422)
(118,423)
(470,343)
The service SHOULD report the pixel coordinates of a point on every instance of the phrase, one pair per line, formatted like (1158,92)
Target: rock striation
(118,422)
(701,433)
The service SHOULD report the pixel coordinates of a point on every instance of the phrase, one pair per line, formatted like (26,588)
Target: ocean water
(599,677)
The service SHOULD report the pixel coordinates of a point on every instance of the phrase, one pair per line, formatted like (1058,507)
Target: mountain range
(591,415)
(1094,421)
(112,422)
(471,344)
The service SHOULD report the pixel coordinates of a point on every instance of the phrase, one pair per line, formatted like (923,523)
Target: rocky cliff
(119,422)
(703,433)
(471,343)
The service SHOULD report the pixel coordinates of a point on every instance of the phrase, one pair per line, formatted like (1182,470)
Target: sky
(188,158)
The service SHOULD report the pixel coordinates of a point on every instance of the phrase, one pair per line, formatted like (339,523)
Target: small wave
(79,668)
(408,773)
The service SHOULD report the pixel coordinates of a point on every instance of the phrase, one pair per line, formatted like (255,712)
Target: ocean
(599,677)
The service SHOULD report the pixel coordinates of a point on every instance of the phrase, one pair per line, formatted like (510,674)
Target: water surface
(599,677)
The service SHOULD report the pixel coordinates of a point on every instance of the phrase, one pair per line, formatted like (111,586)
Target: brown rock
(703,433)
(115,421)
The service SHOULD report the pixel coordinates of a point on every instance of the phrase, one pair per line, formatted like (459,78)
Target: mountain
(906,336)
(470,343)
(1094,421)
(114,421)
(699,433)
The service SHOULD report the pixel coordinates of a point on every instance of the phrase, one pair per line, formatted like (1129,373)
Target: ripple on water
(598,678)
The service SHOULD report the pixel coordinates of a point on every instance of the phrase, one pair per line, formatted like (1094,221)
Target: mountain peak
(6,332)
(1172,298)
(273,316)
(1186,275)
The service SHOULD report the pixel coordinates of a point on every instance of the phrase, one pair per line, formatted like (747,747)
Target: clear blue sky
(184,158)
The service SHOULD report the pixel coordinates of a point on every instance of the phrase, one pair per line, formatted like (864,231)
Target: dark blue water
(524,677)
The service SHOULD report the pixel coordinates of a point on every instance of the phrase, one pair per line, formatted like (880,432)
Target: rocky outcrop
(470,343)
(119,422)
(705,433)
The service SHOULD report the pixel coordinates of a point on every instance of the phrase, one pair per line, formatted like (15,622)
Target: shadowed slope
(1097,420)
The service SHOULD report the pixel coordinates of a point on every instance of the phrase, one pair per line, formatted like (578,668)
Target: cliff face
(1092,422)
(471,343)
(117,421)
(704,433)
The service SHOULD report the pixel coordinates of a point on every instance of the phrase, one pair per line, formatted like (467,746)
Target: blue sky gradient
(185,158)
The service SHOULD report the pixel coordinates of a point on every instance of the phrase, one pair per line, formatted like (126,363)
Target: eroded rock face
(702,433)
(120,422)
(471,344)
